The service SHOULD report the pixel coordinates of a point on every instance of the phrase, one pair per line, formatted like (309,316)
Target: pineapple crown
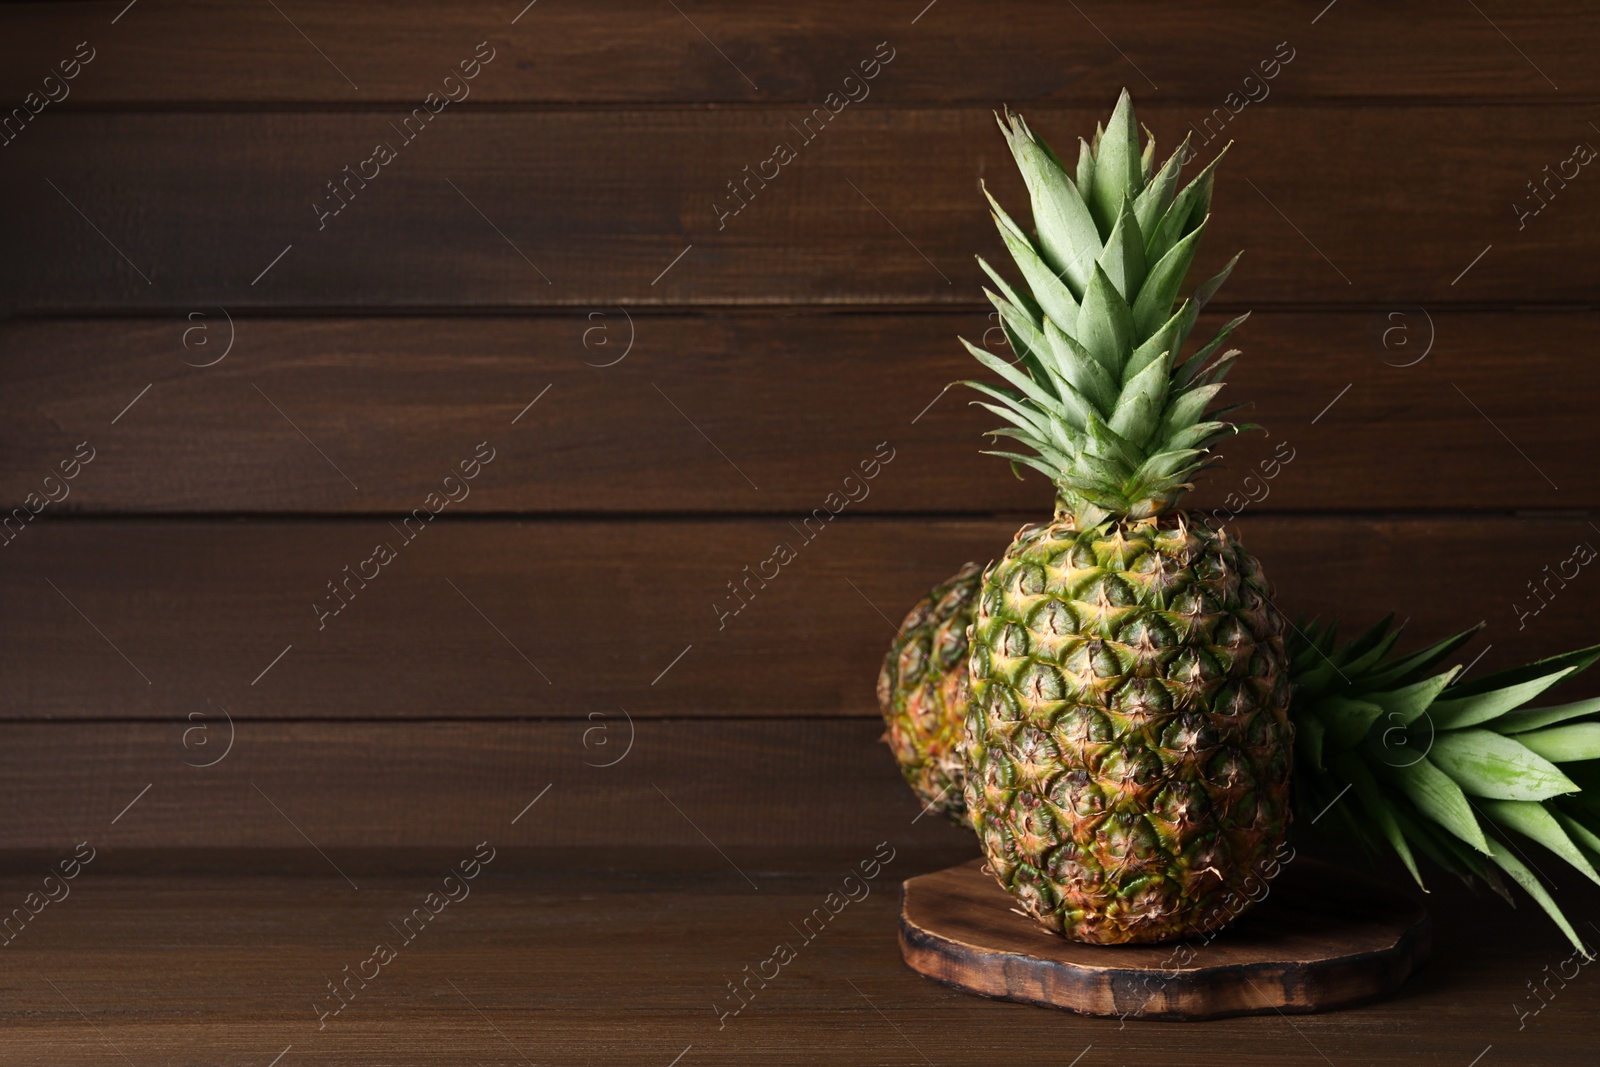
(1463,772)
(1100,400)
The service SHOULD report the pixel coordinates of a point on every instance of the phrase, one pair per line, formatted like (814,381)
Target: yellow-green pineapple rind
(922,693)
(1127,736)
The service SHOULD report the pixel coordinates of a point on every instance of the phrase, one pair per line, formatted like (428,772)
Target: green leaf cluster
(1408,758)
(1097,397)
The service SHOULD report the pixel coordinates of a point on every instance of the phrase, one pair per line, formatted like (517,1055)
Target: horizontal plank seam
(857,517)
(584,107)
(768,309)
(470,720)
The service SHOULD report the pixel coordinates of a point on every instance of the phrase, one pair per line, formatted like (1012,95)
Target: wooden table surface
(543,962)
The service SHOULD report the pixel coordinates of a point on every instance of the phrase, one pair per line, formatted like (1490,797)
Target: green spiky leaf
(1082,370)
(1105,324)
(1067,235)
(1117,171)
(1408,703)
(1197,363)
(1208,288)
(1399,671)
(1564,744)
(1535,718)
(1123,256)
(1085,165)
(1021,298)
(1181,216)
(1490,697)
(1138,411)
(1487,764)
(1377,807)
(1154,303)
(1157,196)
(1055,299)
(1309,734)
(1347,720)
(1532,820)
(1519,873)
(1438,797)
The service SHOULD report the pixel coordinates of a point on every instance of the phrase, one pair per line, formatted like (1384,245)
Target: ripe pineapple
(922,692)
(1367,723)
(1127,741)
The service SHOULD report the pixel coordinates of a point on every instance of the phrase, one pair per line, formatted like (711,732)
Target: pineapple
(1127,740)
(1366,721)
(922,692)
(1460,771)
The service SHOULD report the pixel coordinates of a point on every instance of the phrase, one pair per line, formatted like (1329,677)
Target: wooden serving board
(1323,937)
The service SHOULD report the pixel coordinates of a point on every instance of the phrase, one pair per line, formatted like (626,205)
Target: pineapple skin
(1128,740)
(922,693)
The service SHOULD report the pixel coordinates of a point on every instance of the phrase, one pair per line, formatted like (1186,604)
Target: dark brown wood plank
(167,52)
(365,786)
(558,966)
(502,619)
(1334,204)
(796,402)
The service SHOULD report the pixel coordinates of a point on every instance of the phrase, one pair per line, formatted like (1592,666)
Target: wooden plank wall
(550,283)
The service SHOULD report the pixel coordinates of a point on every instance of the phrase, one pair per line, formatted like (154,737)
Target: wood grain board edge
(1295,986)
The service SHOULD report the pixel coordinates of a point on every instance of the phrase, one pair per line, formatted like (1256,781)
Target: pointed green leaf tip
(1117,174)
(1115,418)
